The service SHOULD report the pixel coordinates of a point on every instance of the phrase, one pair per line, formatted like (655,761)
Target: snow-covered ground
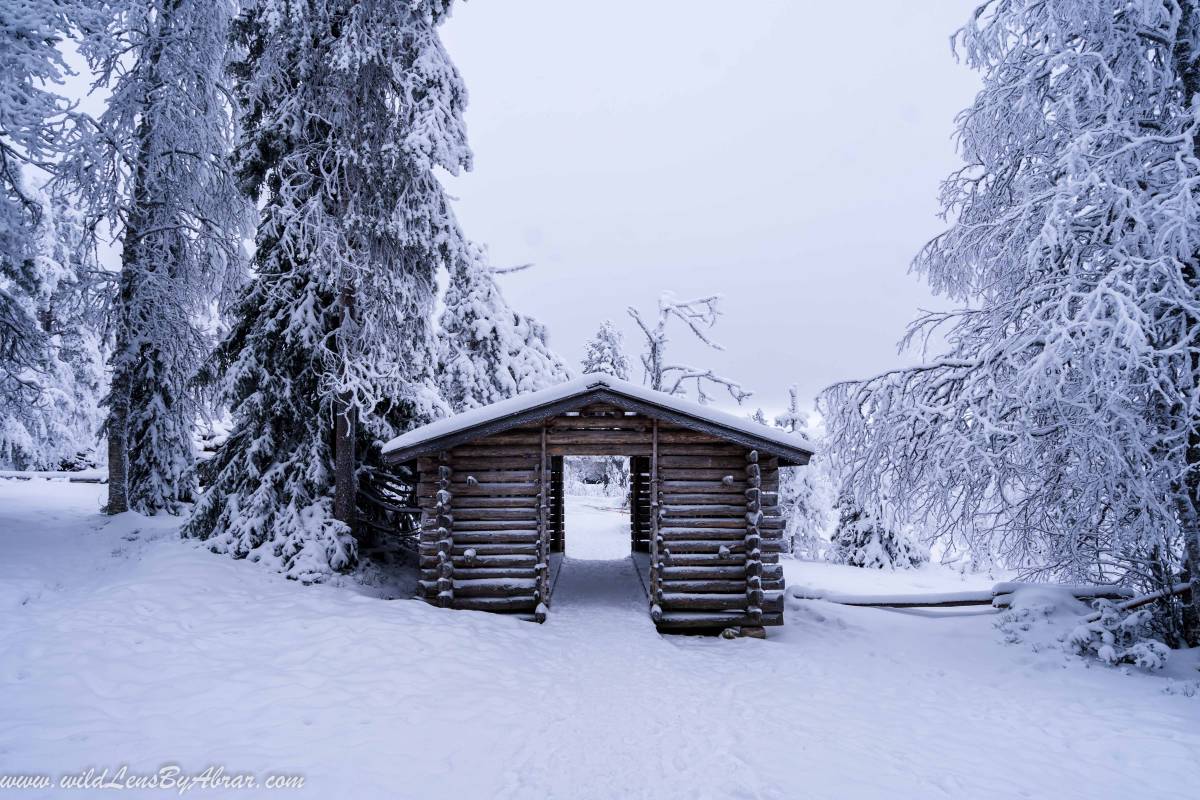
(122,645)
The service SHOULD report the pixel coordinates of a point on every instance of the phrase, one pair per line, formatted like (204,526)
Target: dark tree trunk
(344,466)
(116,425)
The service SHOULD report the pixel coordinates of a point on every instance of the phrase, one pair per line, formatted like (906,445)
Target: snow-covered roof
(594,387)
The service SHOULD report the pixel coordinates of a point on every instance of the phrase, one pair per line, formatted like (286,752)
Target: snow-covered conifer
(156,166)
(1060,428)
(348,108)
(487,351)
(805,493)
(863,539)
(606,352)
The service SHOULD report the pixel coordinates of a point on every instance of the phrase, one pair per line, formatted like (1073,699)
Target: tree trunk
(345,490)
(116,425)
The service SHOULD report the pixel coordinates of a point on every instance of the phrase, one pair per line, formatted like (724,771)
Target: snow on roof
(583,385)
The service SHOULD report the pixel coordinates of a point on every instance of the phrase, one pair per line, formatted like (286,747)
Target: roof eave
(788,455)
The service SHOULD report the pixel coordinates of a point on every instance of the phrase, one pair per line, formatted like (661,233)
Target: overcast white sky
(784,154)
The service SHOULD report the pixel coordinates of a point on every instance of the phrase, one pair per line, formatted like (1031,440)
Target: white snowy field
(122,645)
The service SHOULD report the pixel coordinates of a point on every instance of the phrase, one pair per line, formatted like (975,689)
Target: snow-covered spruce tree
(487,351)
(38,388)
(805,493)
(349,107)
(155,166)
(605,352)
(698,315)
(863,539)
(1060,429)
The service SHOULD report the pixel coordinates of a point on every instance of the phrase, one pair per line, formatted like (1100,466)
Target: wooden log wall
(718,561)
(495,550)
(706,510)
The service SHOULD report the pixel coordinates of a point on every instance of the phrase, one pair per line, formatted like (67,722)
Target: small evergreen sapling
(863,540)
(605,353)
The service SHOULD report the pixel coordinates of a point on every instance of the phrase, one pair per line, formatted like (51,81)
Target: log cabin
(704,517)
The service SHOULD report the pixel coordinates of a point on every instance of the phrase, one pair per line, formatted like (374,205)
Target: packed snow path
(121,644)
(597,583)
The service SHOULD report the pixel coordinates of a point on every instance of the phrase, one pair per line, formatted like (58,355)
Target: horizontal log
(703,510)
(629,423)
(490,537)
(493,462)
(484,548)
(703,573)
(718,534)
(483,561)
(675,498)
(462,572)
(473,502)
(483,490)
(705,587)
(527,512)
(478,450)
(737,487)
(495,604)
(685,620)
(730,462)
(626,449)
(673,601)
(494,587)
(705,546)
(728,523)
(681,474)
(683,436)
(706,560)
(734,452)
(466,476)
(556,437)
(493,524)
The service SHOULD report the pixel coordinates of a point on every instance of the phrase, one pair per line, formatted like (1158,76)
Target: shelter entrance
(594,566)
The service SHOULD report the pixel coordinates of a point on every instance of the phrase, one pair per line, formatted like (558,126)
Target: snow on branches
(1060,428)
(698,315)
(348,109)
(605,352)
(488,352)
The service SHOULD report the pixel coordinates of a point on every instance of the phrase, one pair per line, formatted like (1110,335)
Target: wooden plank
(731,462)
(672,601)
(737,534)
(462,514)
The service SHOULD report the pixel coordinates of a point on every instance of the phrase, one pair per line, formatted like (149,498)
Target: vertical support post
(754,565)
(445,533)
(658,552)
(542,592)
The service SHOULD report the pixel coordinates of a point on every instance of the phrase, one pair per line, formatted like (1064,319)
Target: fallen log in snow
(1145,599)
(999,596)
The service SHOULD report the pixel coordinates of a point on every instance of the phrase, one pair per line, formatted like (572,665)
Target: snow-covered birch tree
(348,108)
(487,351)
(1060,428)
(698,316)
(156,167)
(605,352)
